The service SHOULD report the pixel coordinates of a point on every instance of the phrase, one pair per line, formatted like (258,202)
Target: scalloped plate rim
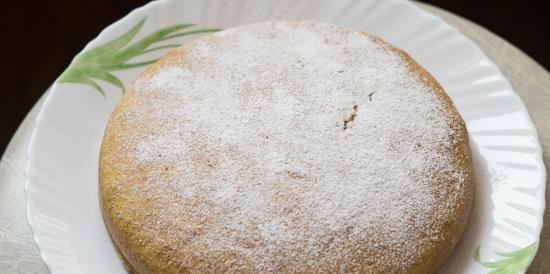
(109,29)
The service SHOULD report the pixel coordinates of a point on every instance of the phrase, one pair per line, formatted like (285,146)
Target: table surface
(18,253)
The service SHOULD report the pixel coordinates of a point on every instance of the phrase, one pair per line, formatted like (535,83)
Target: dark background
(39,39)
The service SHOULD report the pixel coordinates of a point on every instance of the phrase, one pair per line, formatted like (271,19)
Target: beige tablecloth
(18,253)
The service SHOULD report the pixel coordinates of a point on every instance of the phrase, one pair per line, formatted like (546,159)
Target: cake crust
(342,156)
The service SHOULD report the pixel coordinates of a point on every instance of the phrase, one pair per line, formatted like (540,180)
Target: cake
(285,147)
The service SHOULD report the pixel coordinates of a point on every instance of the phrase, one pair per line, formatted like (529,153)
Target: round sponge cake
(285,147)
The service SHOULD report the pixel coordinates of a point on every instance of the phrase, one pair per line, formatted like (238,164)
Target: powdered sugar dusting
(290,147)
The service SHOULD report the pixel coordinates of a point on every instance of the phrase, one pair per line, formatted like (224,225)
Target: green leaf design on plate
(98,63)
(512,262)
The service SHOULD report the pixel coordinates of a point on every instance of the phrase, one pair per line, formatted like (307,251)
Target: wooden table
(18,253)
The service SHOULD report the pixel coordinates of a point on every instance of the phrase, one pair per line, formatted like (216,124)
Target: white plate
(61,188)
